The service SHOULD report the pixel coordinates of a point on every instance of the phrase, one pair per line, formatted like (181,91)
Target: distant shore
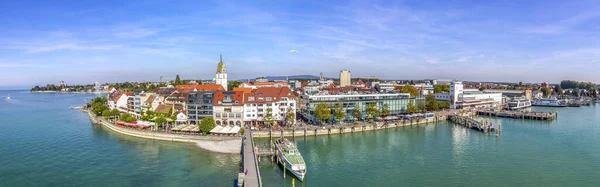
(63,92)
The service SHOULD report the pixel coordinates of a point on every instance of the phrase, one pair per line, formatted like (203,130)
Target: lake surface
(45,143)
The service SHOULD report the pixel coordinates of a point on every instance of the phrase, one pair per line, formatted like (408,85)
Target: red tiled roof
(245,90)
(187,88)
(128,93)
(275,93)
(235,96)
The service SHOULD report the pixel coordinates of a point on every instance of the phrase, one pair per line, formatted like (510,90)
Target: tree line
(324,112)
(68,88)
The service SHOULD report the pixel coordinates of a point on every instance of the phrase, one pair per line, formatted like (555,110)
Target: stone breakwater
(220,144)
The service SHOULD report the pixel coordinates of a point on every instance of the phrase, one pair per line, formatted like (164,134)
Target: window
(238,115)
(218,115)
(260,105)
(230,115)
(260,110)
(261,99)
(250,98)
(220,102)
(260,115)
(283,99)
(291,104)
(269,99)
(227,97)
(248,115)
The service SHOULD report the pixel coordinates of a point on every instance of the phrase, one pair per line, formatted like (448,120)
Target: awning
(216,129)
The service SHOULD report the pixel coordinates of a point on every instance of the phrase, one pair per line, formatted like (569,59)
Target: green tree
(520,83)
(206,124)
(160,121)
(385,110)
(440,88)
(106,113)
(372,110)
(339,112)
(323,112)
(357,113)
(408,89)
(546,91)
(443,104)
(268,119)
(177,80)
(411,108)
(233,84)
(422,107)
(432,104)
(558,90)
(576,92)
(290,115)
(98,108)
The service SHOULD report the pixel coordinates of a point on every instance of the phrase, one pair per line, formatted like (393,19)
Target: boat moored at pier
(518,103)
(289,156)
(549,102)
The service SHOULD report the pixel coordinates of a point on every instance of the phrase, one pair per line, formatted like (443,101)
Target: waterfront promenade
(332,130)
(221,144)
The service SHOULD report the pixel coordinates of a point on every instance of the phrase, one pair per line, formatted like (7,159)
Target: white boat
(289,156)
(517,103)
(549,102)
(8,97)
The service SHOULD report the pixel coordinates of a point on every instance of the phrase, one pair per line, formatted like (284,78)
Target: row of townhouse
(243,106)
(251,107)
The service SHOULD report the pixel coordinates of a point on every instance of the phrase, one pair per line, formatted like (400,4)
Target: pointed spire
(220,57)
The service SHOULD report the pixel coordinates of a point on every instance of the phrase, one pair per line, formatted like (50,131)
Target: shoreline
(219,144)
(232,145)
(63,92)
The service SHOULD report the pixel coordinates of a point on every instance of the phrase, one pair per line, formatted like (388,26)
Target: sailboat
(8,97)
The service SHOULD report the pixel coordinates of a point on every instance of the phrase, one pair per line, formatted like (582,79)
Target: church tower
(221,76)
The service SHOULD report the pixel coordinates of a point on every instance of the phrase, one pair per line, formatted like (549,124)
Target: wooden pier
(519,114)
(473,124)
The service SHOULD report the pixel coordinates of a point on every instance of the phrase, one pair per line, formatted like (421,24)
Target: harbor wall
(342,130)
(222,144)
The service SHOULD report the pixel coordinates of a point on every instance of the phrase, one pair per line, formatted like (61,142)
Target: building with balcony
(200,105)
(279,100)
(228,107)
(397,102)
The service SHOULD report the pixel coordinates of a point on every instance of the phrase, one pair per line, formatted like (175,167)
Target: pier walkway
(473,124)
(250,162)
(518,114)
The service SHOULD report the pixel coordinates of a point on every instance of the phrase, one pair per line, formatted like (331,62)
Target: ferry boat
(549,102)
(518,103)
(288,153)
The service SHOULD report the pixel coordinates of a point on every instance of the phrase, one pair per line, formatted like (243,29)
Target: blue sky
(85,41)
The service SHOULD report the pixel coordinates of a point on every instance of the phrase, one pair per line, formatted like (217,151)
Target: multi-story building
(279,100)
(345,79)
(462,98)
(397,102)
(200,105)
(228,107)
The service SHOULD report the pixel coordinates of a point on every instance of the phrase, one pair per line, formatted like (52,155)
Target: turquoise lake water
(45,143)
